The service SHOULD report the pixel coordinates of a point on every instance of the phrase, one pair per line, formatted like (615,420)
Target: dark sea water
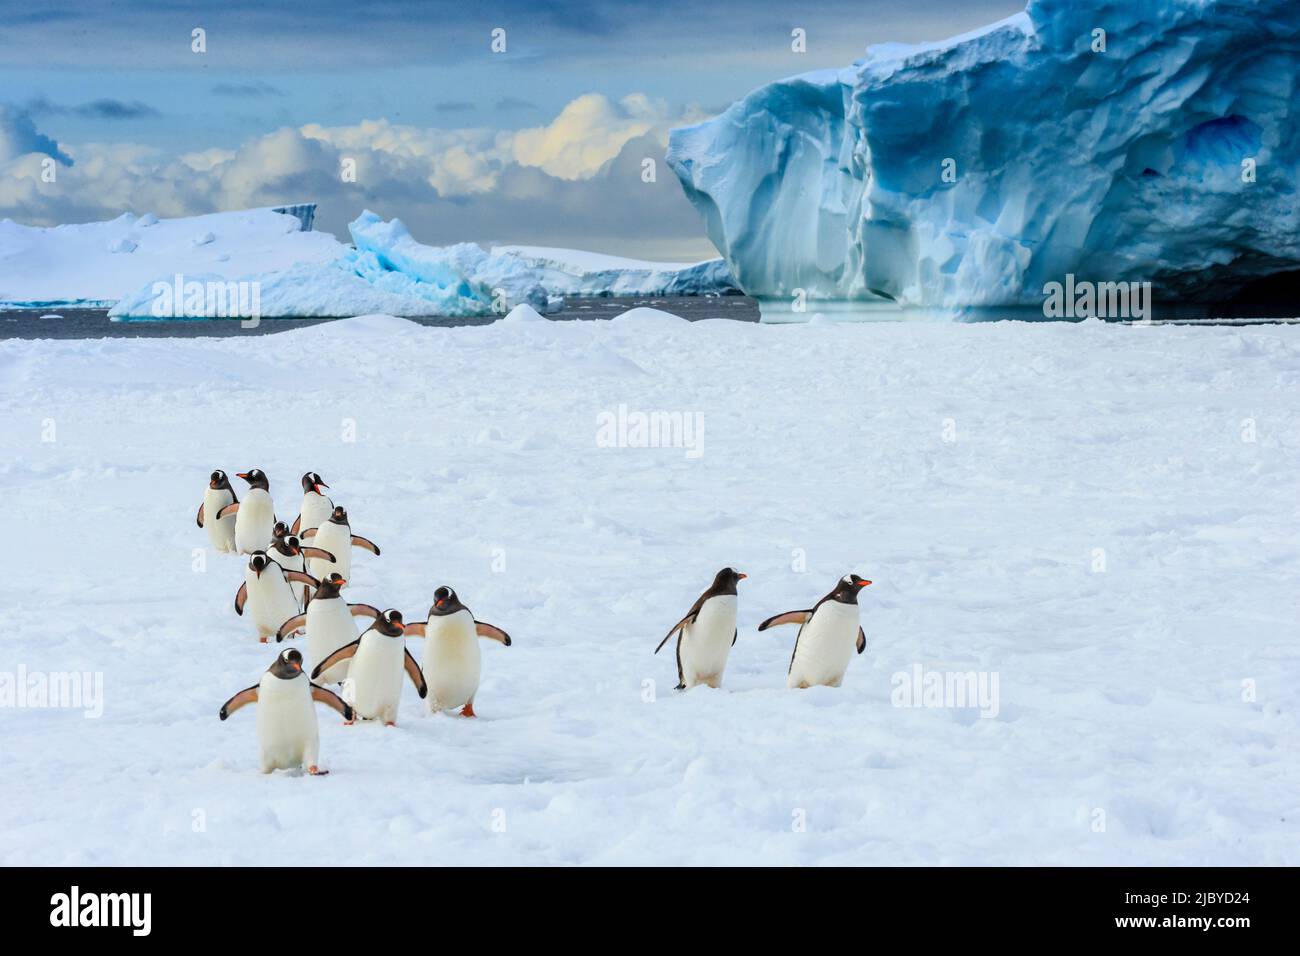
(58,323)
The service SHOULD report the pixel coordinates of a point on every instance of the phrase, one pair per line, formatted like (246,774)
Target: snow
(474,463)
(106,261)
(972,172)
(523,313)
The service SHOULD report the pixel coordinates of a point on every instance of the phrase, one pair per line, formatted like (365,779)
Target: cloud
(105,108)
(576,181)
(19,137)
(257,88)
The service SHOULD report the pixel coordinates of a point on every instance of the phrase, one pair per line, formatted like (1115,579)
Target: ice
(972,471)
(1123,165)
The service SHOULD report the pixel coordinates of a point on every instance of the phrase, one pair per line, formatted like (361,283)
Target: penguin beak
(242,474)
(741,575)
(295,665)
(319,485)
(400,626)
(863,583)
(342,583)
(440,602)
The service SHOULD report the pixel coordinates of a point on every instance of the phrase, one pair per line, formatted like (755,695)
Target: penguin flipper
(318,553)
(413,671)
(415,629)
(330,699)
(491,631)
(228,510)
(297,523)
(862,640)
(365,544)
(734,634)
(309,533)
(677,627)
(246,696)
(289,626)
(240,597)
(199,519)
(342,654)
(302,577)
(789,617)
(367,610)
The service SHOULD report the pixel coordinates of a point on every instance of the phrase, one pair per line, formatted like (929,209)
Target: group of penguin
(291,587)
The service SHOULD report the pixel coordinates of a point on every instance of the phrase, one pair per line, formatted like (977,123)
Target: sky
(540,144)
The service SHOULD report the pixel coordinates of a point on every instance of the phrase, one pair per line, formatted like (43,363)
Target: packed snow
(1103,517)
(1118,141)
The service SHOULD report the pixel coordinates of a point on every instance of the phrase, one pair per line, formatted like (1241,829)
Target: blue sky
(118,88)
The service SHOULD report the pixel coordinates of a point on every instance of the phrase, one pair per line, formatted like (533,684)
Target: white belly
(376,676)
(316,510)
(220,533)
(452,660)
(254,521)
(290,562)
(706,642)
(329,626)
(337,540)
(286,723)
(825,646)
(270,600)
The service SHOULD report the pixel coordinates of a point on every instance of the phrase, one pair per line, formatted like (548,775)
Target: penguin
(451,653)
(828,633)
(287,733)
(218,494)
(267,589)
(706,634)
(330,625)
(255,515)
(288,552)
(378,658)
(336,537)
(316,507)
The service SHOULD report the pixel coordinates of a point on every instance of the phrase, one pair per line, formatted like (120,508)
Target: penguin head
(725,581)
(293,543)
(279,532)
(218,480)
(256,478)
(846,591)
(258,562)
(390,623)
(339,515)
(313,482)
(445,602)
(330,586)
(288,665)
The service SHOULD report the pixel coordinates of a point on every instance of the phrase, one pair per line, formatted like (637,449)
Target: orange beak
(863,584)
(242,474)
(320,485)
(400,627)
(297,666)
(342,583)
(741,575)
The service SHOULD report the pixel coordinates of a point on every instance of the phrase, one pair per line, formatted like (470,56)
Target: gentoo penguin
(218,494)
(707,632)
(286,720)
(255,515)
(288,552)
(828,633)
(375,675)
(336,537)
(316,507)
(266,589)
(330,625)
(451,652)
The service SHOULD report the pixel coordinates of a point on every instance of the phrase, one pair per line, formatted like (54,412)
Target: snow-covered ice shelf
(1120,691)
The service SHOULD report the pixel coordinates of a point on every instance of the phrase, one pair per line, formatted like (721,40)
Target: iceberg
(386,270)
(1105,139)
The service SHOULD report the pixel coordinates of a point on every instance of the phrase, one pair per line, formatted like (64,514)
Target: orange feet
(316,771)
(262,640)
(390,723)
(468,710)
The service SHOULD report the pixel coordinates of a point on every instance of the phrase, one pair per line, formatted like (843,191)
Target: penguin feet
(468,710)
(349,723)
(263,639)
(316,771)
(390,723)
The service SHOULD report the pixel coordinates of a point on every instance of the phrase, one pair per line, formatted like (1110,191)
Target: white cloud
(587,134)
